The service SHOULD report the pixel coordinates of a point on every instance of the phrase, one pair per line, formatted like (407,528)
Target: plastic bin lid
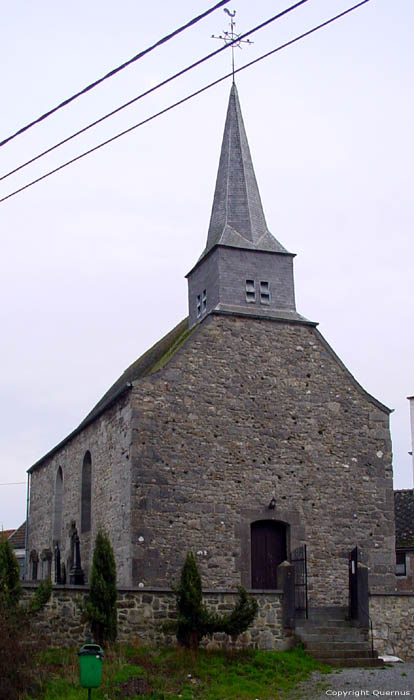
(91,650)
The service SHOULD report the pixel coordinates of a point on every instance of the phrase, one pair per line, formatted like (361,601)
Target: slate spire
(243,269)
(237,217)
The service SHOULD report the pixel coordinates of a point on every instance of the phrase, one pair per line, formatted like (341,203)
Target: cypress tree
(10,588)
(195,621)
(100,610)
(193,618)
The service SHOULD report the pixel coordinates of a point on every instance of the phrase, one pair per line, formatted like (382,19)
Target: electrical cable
(188,97)
(114,71)
(150,90)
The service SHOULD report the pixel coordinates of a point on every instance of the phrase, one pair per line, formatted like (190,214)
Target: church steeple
(237,217)
(243,269)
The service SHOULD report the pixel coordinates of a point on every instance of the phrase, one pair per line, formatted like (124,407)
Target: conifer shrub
(100,610)
(10,588)
(242,615)
(195,621)
(41,596)
(19,671)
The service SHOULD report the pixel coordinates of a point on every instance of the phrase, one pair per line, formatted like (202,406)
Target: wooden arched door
(268,540)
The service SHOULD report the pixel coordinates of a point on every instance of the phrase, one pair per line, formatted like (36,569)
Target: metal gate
(299,561)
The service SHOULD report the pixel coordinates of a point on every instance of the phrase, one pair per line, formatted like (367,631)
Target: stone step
(327,609)
(351,662)
(321,622)
(345,646)
(322,626)
(341,653)
(343,636)
(328,613)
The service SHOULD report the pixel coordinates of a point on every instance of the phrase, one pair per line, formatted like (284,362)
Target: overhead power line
(13,483)
(115,70)
(156,87)
(188,97)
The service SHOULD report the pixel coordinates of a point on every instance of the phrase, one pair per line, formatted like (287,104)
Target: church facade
(240,436)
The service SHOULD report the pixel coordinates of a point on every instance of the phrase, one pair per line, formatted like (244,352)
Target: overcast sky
(93,258)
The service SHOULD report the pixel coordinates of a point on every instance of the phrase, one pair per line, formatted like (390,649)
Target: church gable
(247,411)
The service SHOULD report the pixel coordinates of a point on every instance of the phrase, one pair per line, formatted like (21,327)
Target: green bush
(10,588)
(195,621)
(42,596)
(242,615)
(19,669)
(100,611)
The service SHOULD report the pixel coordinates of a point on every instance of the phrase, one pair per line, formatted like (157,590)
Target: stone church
(240,436)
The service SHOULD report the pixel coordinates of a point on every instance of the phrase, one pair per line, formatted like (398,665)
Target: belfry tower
(243,268)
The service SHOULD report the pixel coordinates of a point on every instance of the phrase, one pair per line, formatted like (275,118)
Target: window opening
(264,293)
(86,493)
(46,564)
(401,567)
(34,558)
(204,301)
(198,305)
(250,291)
(58,506)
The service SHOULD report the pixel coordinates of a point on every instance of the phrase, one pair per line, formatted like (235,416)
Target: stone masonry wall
(393,622)
(108,439)
(248,410)
(142,613)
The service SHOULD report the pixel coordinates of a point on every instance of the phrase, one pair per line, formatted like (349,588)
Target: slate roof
(237,217)
(146,364)
(404,518)
(18,538)
(151,361)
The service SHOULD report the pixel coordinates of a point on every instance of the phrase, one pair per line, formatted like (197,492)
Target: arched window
(58,507)
(33,560)
(269,549)
(46,561)
(86,493)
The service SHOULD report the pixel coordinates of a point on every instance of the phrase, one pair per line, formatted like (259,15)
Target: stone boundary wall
(392,617)
(142,613)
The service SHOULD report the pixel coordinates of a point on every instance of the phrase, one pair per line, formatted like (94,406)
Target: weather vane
(231,37)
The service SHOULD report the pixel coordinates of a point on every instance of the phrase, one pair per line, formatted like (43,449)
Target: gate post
(363,595)
(286,581)
(358,589)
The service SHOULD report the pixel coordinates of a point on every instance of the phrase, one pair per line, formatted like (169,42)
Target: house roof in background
(18,537)
(404,518)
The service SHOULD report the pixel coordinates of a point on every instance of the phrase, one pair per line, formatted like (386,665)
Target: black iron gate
(298,559)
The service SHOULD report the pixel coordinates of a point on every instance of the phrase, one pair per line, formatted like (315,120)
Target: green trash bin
(90,662)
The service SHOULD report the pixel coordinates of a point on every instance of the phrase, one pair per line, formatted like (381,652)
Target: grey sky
(93,259)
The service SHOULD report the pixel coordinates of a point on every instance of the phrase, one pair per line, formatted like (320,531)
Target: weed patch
(140,673)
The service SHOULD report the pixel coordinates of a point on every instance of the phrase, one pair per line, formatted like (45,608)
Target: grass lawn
(140,673)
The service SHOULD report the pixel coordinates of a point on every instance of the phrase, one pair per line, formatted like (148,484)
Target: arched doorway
(269,549)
